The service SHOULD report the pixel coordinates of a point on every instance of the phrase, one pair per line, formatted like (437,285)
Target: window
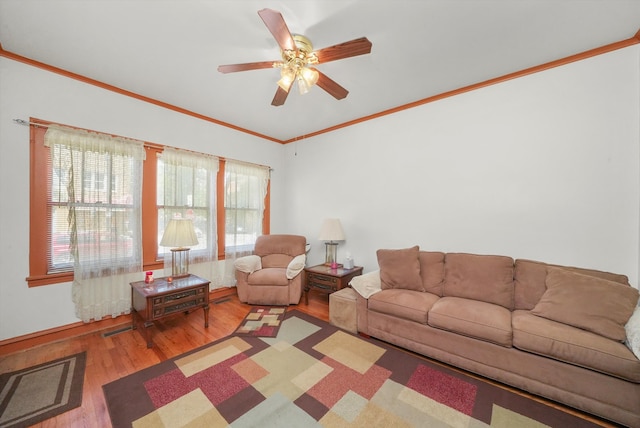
(103,211)
(186,188)
(94,221)
(244,203)
(95,181)
(49,258)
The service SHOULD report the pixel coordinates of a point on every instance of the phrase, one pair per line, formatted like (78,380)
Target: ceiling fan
(298,58)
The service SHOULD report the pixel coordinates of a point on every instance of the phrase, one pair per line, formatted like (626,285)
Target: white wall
(31,92)
(543,167)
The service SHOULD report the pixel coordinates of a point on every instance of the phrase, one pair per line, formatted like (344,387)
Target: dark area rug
(262,321)
(313,374)
(37,393)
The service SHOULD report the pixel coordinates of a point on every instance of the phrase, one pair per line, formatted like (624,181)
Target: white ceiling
(169,50)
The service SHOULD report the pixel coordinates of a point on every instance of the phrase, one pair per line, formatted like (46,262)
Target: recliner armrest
(296,265)
(248,264)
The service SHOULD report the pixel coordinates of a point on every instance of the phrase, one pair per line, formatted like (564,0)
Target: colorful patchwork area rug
(315,375)
(262,322)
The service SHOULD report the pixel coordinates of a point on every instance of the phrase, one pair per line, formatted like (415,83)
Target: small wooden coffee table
(327,280)
(161,298)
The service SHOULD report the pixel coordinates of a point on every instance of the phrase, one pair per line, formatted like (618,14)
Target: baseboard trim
(27,341)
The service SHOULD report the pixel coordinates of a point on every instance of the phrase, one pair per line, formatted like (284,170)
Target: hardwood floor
(112,356)
(113,353)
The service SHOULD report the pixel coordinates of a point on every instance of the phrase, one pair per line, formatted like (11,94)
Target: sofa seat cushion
(269,276)
(407,304)
(473,318)
(573,345)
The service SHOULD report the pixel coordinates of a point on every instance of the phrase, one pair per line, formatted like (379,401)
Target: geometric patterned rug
(315,375)
(37,393)
(262,321)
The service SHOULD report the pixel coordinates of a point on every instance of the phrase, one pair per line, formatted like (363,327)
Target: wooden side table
(161,298)
(327,280)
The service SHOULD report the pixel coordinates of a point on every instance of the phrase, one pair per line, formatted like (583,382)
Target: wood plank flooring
(112,356)
(113,353)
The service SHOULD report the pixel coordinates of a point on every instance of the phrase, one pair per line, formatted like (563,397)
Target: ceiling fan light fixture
(287,76)
(309,75)
(303,86)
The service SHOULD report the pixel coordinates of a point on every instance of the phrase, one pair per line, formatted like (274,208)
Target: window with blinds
(186,188)
(103,203)
(244,202)
(93,201)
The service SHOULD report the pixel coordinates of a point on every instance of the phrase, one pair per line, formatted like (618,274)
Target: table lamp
(179,234)
(331,231)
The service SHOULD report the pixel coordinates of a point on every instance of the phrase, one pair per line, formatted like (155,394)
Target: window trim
(39,234)
(150,260)
(38,226)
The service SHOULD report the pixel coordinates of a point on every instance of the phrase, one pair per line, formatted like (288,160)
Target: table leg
(135,317)
(134,314)
(147,334)
(206,315)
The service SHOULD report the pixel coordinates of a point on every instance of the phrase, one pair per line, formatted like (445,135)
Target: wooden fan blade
(232,68)
(355,47)
(278,28)
(281,95)
(335,90)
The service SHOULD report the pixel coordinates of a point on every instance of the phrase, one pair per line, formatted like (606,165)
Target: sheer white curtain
(187,189)
(244,202)
(103,183)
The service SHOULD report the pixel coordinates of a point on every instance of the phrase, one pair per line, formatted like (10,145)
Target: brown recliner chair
(273,274)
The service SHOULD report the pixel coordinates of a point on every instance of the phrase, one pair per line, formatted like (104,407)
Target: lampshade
(179,233)
(288,75)
(307,77)
(331,230)
(310,75)
(303,86)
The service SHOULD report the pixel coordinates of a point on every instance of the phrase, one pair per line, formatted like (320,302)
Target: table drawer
(177,307)
(322,280)
(168,298)
(177,302)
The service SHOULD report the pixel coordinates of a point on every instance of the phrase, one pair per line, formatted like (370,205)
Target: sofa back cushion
(432,271)
(400,268)
(587,302)
(479,277)
(530,277)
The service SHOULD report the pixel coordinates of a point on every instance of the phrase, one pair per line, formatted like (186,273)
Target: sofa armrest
(295,266)
(248,264)
(368,284)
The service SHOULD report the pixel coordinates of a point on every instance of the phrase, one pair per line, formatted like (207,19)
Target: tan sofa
(558,332)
